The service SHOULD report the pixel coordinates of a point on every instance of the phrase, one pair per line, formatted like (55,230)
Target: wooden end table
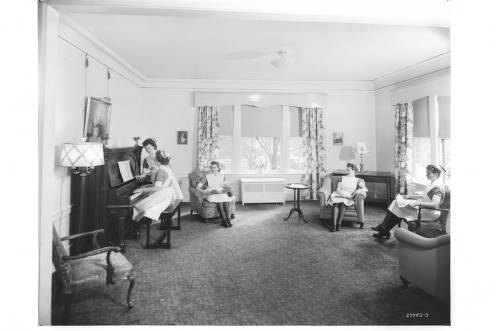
(296,200)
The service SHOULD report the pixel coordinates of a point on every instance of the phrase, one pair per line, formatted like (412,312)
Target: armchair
(441,223)
(89,270)
(354,213)
(199,204)
(425,262)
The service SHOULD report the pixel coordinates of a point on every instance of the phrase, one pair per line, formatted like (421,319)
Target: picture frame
(182,137)
(338,138)
(97,119)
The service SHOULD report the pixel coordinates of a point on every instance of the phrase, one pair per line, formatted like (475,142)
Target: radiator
(262,190)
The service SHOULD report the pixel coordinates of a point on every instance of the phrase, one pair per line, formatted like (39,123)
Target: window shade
(260,122)
(226,120)
(421,117)
(295,122)
(444,117)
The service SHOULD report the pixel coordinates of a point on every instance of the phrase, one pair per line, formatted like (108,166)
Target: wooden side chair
(89,270)
(440,223)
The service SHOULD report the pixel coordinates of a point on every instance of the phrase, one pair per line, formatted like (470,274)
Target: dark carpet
(263,271)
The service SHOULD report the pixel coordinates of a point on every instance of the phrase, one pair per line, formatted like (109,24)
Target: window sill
(265,173)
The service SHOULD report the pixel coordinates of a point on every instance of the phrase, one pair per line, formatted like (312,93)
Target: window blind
(444,117)
(421,118)
(260,121)
(226,120)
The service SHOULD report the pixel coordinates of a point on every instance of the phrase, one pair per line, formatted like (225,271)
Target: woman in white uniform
(343,196)
(160,194)
(219,192)
(149,165)
(431,197)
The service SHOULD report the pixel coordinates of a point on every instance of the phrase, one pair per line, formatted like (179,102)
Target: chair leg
(131,280)
(67,308)
(191,212)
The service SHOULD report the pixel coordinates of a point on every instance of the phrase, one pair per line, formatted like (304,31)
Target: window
(421,138)
(431,135)
(296,151)
(254,138)
(225,155)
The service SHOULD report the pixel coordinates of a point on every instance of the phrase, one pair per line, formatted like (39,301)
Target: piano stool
(165,225)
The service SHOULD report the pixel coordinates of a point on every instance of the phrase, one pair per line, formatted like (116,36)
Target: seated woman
(149,166)
(431,197)
(343,196)
(219,192)
(160,194)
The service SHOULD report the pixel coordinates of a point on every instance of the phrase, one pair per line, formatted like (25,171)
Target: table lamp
(361,149)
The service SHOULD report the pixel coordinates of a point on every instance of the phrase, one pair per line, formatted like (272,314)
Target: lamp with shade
(82,157)
(361,149)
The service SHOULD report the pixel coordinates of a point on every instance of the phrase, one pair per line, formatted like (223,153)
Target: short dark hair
(150,141)
(353,166)
(162,157)
(433,169)
(215,163)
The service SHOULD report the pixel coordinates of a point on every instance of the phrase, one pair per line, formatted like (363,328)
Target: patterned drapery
(208,135)
(404,145)
(313,143)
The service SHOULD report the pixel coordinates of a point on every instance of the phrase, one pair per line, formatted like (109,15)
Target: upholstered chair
(425,262)
(441,223)
(88,270)
(354,213)
(205,209)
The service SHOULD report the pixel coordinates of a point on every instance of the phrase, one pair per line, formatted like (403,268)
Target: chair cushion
(90,272)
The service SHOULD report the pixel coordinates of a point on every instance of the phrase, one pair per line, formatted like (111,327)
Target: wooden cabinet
(381,185)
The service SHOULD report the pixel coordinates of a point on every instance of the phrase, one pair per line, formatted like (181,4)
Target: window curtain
(313,143)
(404,145)
(208,135)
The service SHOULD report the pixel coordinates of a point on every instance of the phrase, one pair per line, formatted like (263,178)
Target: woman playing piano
(160,194)
(149,165)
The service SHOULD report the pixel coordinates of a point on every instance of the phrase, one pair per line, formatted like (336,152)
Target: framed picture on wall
(338,138)
(182,137)
(97,117)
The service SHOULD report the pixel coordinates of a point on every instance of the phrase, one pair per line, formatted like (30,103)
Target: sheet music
(125,170)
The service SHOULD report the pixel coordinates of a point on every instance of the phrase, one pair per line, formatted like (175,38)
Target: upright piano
(120,198)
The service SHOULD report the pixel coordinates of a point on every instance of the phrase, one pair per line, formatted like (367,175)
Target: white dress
(433,192)
(216,182)
(156,202)
(347,186)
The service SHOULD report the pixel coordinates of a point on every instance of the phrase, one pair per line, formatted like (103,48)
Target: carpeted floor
(263,271)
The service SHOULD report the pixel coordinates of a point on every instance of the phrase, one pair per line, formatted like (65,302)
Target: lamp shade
(83,154)
(360,148)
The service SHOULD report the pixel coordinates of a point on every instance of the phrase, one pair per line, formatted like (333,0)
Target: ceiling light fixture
(283,61)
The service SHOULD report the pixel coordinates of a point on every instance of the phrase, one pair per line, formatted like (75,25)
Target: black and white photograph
(310,185)
(182,137)
(338,138)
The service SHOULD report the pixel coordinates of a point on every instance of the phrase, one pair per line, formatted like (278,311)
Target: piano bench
(165,225)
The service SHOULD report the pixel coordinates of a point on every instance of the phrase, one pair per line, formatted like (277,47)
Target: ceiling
(173,47)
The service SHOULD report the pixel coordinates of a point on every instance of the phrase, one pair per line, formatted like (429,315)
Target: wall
(74,83)
(386,98)
(170,110)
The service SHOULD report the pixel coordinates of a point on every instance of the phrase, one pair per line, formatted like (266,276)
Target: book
(402,201)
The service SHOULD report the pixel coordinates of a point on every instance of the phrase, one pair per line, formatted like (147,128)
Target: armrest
(360,195)
(197,194)
(433,208)
(94,234)
(83,234)
(108,249)
(414,239)
(323,193)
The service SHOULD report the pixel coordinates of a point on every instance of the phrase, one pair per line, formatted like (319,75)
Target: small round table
(296,199)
